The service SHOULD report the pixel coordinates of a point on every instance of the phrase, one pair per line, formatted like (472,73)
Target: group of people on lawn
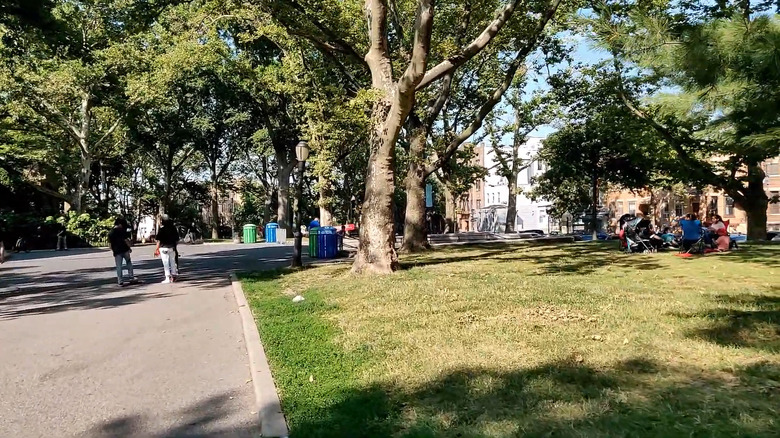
(686,231)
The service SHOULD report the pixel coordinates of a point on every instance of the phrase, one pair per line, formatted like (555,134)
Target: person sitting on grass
(691,229)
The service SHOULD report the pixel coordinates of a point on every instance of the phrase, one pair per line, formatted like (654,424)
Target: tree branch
(473,48)
(495,98)
(436,107)
(337,42)
(107,133)
(378,58)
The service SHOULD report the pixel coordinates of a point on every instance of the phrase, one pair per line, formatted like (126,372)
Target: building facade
(664,206)
(531,215)
(474,200)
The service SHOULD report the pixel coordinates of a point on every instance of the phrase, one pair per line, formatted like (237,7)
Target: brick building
(662,205)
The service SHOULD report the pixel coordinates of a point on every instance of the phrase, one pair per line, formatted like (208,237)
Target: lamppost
(352,209)
(301,154)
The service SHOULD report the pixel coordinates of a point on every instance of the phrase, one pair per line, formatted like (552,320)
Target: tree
(456,110)
(457,176)
(721,117)
(68,88)
(333,30)
(528,116)
(600,145)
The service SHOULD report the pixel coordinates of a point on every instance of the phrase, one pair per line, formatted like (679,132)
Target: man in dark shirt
(62,237)
(120,246)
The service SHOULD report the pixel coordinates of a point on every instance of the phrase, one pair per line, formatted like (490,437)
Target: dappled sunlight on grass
(525,340)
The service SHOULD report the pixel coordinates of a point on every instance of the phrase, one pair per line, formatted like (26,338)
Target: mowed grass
(503,341)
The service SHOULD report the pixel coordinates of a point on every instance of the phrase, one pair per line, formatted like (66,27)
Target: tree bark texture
(511,205)
(449,212)
(283,208)
(755,203)
(214,207)
(415,231)
(376,250)
(326,194)
(595,208)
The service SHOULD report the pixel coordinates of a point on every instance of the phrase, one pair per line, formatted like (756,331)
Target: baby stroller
(630,239)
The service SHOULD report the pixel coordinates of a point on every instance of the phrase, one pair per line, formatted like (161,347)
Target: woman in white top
(717,223)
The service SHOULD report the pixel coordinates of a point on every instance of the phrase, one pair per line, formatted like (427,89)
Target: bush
(91,230)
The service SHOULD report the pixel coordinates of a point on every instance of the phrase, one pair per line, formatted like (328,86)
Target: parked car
(534,233)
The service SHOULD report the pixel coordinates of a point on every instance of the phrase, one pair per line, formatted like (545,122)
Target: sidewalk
(83,357)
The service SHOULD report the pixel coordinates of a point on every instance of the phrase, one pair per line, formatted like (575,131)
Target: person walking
(120,246)
(167,238)
(62,238)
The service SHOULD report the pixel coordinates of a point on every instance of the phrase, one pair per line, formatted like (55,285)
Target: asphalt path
(83,357)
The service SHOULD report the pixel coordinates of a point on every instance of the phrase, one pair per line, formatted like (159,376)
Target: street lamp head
(353,198)
(302,151)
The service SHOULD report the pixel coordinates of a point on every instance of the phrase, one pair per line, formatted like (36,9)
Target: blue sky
(584,52)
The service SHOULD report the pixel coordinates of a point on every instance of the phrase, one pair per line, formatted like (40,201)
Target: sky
(584,52)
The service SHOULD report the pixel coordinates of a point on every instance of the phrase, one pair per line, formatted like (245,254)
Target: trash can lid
(272,225)
(250,226)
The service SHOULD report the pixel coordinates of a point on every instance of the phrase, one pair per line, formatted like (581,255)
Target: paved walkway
(80,356)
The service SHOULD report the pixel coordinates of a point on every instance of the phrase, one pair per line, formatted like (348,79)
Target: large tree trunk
(376,250)
(267,207)
(595,209)
(449,212)
(511,206)
(83,185)
(325,202)
(415,231)
(283,208)
(755,204)
(214,207)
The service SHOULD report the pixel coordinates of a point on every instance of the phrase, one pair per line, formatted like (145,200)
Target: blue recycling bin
(270,232)
(327,243)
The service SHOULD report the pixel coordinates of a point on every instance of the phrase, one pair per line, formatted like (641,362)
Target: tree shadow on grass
(567,259)
(767,254)
(563,398)
(747,321)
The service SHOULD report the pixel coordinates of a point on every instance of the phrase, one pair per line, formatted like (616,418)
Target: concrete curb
(269,409)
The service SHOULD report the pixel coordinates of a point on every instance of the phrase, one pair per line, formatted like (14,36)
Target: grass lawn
(503,341)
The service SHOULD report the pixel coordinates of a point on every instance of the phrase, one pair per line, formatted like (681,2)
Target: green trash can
(250,233)
(313,233)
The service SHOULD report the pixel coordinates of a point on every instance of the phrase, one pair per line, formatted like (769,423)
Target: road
(84,357)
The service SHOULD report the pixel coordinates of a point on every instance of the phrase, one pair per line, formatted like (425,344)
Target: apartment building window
(678,208)
(619,208)
(713,207)
(729,211)
(499,198)
(539,165)
(542,216)
(632,207)
(774,208)
(773,169)
(479,204)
